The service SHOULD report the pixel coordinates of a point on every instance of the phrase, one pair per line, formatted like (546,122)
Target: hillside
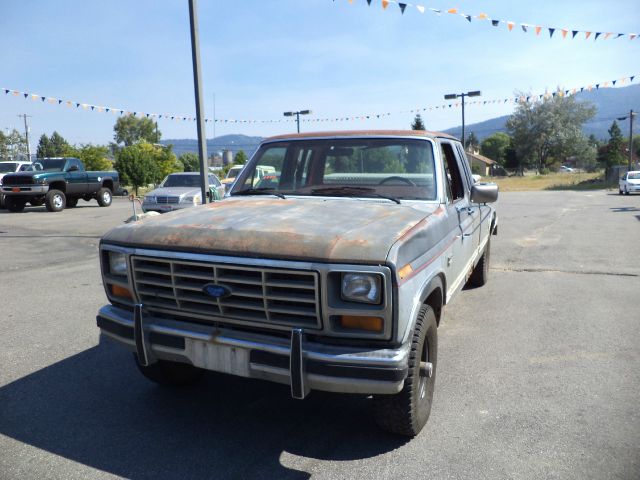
(234,143)
(610,103)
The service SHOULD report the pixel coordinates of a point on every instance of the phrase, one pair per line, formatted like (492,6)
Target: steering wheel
(396,177)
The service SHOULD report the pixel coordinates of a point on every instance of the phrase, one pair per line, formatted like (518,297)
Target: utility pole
(197,84)
(214,116)
(453,96)
(631,114)
(26,134)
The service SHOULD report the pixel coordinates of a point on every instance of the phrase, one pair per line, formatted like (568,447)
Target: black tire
(170,374)
(55,200)
(72,202)
(37,202)
(14,204)
(480,275)
(407,412)
(1,201)
(104,197)
(619,191)
(626,192)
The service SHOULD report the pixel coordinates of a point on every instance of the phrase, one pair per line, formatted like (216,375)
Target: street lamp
(453,96)
(630,117)
(297,114)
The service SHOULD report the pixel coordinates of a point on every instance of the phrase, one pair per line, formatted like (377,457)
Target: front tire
(407,412)
(14,204)
(480,275)
(170,374)
(104,197)
(55,200)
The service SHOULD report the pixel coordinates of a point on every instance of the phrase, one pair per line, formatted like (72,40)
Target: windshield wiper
(346,190)
(259,191)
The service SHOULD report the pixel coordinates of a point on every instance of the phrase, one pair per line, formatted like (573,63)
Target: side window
(453,176)
(24,168)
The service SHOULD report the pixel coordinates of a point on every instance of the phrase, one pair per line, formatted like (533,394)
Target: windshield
(52,164)
(233,172)
(181,181)
(394,168)
(633,176)
(6,167)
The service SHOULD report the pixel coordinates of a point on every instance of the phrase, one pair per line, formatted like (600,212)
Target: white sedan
(629,182)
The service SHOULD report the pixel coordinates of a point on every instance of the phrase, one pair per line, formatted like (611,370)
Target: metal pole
(630,138)
(214,116)
(463,145)
(26,135)
(298,120)
(197,84)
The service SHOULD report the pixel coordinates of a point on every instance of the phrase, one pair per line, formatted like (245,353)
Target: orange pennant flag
(538,30)
(483,16)
(587,35)
(452,10)
(564,33)
(632,36)
(34,96)
(607,35)
(16,93)
(385,3)
(510,25)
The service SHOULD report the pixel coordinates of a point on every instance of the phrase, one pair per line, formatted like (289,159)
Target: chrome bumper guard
(303,364)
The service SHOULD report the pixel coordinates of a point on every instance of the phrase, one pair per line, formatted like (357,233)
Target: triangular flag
(510,25)
(369,2)
(524,27)
(587,35)
(495,23)
(402,7)
(468,17)
(452,10)
(33,96)
(59,102)
(614,82)
(597,35)
(632,36)
(483,16)
(538,30)
(385,3)
(574,33)
(564,33)
(619,35)
(420,8)
(551,30)
(607,35)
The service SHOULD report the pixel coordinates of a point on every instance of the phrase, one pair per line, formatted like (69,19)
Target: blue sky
(261,58)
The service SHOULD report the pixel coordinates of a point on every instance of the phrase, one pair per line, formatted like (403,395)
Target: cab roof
(362,133)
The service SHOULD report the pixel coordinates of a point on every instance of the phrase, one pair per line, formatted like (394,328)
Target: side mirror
(484,193)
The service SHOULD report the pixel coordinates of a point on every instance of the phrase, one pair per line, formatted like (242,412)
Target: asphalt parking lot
(538,372)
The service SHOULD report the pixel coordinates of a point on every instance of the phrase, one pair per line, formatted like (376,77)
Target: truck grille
(258,295)
(17,180)
(167,199)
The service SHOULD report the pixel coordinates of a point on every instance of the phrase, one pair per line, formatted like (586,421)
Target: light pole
(297,114)
(630,117)
(453,96)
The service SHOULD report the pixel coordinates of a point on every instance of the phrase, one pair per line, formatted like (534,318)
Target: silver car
(180,190)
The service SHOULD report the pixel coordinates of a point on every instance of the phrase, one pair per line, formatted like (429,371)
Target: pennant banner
(604,35)
(371,116)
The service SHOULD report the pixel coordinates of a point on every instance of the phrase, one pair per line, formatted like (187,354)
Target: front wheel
(169,373)
(55,200)
(407,412)
(104,197)
(14,204)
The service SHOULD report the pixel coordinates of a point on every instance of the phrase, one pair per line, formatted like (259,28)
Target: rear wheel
(55,200)
(14,204)
(169,373)
(104,197)
(480,274)
(407,412)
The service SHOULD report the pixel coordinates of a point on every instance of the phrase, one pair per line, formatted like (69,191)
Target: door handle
(469,210)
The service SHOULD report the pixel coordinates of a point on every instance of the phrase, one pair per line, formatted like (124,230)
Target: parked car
(231,176)
(180,190)
(566,169)
(58,183)
(333,278)
(258,175)
(11,167)
(629,182)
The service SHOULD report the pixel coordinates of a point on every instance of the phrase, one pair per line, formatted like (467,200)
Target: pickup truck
(58,183)
(334,277)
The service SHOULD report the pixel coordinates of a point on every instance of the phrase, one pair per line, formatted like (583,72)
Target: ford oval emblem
(216,291)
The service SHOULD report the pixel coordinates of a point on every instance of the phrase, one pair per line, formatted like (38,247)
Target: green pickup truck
(58,183)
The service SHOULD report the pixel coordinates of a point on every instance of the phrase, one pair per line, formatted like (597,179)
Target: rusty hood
(316,229)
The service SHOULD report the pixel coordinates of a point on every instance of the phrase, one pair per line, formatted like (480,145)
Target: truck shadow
(96,409)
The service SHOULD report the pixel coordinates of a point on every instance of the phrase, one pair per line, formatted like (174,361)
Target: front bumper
(10,190)
(303,364)
(165,207)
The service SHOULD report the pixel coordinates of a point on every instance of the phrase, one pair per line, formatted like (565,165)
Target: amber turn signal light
(372,324)
(119,291)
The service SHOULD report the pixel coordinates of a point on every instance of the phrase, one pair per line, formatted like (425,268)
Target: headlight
(191,199)
(117,264)
(149,199)
(361,287)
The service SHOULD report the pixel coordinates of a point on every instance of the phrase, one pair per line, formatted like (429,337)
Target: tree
(417,123)
(12,146)
(130,129)
(190,162)
(54,146)
(615,146)
(471,142)
(549,130)
(495,147)
(240,158)
(136,165)
(94,157)
(166,162)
